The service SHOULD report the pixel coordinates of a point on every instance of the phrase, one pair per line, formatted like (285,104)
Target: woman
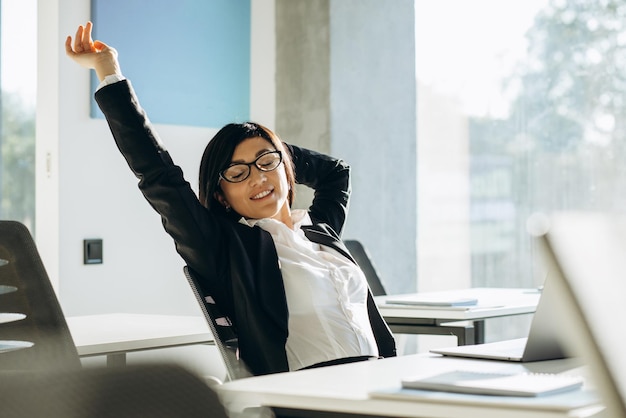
(293,292)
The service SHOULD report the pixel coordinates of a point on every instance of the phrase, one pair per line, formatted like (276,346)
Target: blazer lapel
(323,234)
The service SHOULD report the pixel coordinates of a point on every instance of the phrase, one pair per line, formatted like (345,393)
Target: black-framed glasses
(238,172)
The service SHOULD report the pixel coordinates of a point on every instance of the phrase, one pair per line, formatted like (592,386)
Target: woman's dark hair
(218,155)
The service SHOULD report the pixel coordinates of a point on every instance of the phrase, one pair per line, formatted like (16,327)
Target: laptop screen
(586,256)
(543,342)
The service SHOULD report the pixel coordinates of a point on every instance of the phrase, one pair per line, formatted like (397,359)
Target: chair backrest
(224,334)
(33,332)
(155,391)
(364,261)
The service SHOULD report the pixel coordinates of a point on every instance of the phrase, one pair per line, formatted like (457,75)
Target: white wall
(89,192)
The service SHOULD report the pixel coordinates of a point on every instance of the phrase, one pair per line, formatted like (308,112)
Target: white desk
(492,303)
(345,391)
(114,335)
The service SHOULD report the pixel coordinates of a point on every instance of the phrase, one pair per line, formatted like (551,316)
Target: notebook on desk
(541,343)
(496,384)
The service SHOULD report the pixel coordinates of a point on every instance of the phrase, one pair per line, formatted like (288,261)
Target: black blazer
(236,264)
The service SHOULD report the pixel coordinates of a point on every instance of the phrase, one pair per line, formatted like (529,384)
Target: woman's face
(264,193)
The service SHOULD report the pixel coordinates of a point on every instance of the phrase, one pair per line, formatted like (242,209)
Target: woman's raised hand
(95,55)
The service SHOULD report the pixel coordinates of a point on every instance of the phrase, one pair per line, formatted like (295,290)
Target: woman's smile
(262,194)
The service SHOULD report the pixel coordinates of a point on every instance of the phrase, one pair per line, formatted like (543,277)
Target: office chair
(223,332)
(33,331)
(362,258)
(364,261)
(155,391)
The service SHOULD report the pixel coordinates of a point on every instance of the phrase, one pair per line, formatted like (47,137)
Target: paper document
(478,383)
(432,300)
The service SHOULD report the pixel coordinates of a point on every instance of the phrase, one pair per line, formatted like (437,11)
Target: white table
(492,303)
(346,390)
(114,335)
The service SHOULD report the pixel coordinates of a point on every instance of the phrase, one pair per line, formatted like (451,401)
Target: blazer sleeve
(195,231)
(330,179)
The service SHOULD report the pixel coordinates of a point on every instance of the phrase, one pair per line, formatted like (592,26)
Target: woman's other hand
(94,55)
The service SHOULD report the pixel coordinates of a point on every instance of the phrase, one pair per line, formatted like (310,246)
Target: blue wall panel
(188,60)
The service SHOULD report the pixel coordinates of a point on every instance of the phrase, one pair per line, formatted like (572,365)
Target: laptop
(541,343)
(585,251)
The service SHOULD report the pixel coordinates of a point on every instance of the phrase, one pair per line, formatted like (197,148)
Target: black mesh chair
(33,332)
(465,332)
(221,327)
(40,371)
(364,261)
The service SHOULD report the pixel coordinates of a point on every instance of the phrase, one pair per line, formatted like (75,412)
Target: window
(530,98)
(541,93)
(18,79)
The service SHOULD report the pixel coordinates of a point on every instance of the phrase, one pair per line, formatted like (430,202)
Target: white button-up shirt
(326,297)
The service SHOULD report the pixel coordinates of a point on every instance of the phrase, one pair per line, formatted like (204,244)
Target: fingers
(82,40)
(87,41)
(78,47)
(100,46)
(68,46)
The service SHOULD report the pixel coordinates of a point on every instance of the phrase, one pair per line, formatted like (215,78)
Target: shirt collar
(299,217)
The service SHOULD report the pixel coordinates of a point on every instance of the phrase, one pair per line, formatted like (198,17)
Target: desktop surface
(122,332)
(491,302)
(412,318)
(357,389)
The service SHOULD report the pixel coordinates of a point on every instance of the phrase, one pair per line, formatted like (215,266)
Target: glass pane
(18,79)
(537,92)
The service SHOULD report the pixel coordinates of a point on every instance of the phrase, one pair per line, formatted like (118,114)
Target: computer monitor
(585,254)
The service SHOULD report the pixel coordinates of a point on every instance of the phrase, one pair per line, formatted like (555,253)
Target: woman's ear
(220,198)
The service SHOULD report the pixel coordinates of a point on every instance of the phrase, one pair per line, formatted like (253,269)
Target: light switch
(92,251)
